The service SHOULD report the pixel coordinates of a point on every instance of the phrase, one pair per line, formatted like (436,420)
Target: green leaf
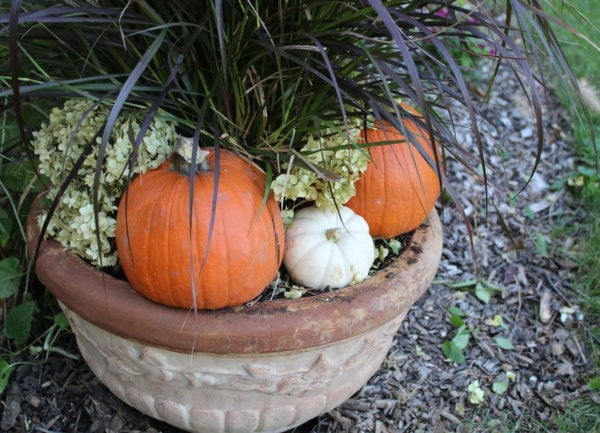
(5,370)
(10,275)
(498,321)
(461,340)
(504,343)
(395,245)
(484,291)
(541,244)
(462,337)
(452,352)
(60,320)
(455,311)
(294,293)
(456,321)
(17,176)
(18,322)
(456,317)
(453,349)
(529,213)
(462,284)
(594,384)
(587,171)
(499,387)
(6,224)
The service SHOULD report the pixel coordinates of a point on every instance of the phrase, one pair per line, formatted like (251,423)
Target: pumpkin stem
(181,158)
(333,234)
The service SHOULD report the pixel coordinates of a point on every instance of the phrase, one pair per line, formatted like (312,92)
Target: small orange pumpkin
(399,187)
(174,264)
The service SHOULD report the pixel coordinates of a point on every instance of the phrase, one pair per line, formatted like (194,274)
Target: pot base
(234,393)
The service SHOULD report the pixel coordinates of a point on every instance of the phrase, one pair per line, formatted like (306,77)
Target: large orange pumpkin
(399,187)
(226,264)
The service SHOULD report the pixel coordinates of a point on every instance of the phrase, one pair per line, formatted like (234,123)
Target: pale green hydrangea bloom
(336,152)
(59,143)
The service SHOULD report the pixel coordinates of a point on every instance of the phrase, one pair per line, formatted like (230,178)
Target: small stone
(538,184)
(557,348)
(527,132)
(34,401)
(565,369)
(545,306)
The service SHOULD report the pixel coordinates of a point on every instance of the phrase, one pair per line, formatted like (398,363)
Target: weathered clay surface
(214,393)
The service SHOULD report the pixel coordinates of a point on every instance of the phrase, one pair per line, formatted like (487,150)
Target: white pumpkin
(327,248)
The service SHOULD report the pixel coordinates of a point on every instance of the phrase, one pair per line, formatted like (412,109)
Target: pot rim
(262,327)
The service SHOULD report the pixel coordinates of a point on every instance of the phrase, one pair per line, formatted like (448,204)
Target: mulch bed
(529,336)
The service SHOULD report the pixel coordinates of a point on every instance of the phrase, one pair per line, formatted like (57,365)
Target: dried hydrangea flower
(59,144)
(336,152)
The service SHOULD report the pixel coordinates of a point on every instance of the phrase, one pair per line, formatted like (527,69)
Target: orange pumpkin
(399,187)
(174,264)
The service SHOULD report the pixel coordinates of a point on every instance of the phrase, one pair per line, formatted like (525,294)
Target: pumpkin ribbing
(399,187)
(232,261)
(328,248)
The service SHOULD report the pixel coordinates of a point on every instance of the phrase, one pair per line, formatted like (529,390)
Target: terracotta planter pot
(266,367)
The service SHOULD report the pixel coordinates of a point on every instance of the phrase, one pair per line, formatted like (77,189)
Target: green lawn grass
(584,15)
(585,63)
